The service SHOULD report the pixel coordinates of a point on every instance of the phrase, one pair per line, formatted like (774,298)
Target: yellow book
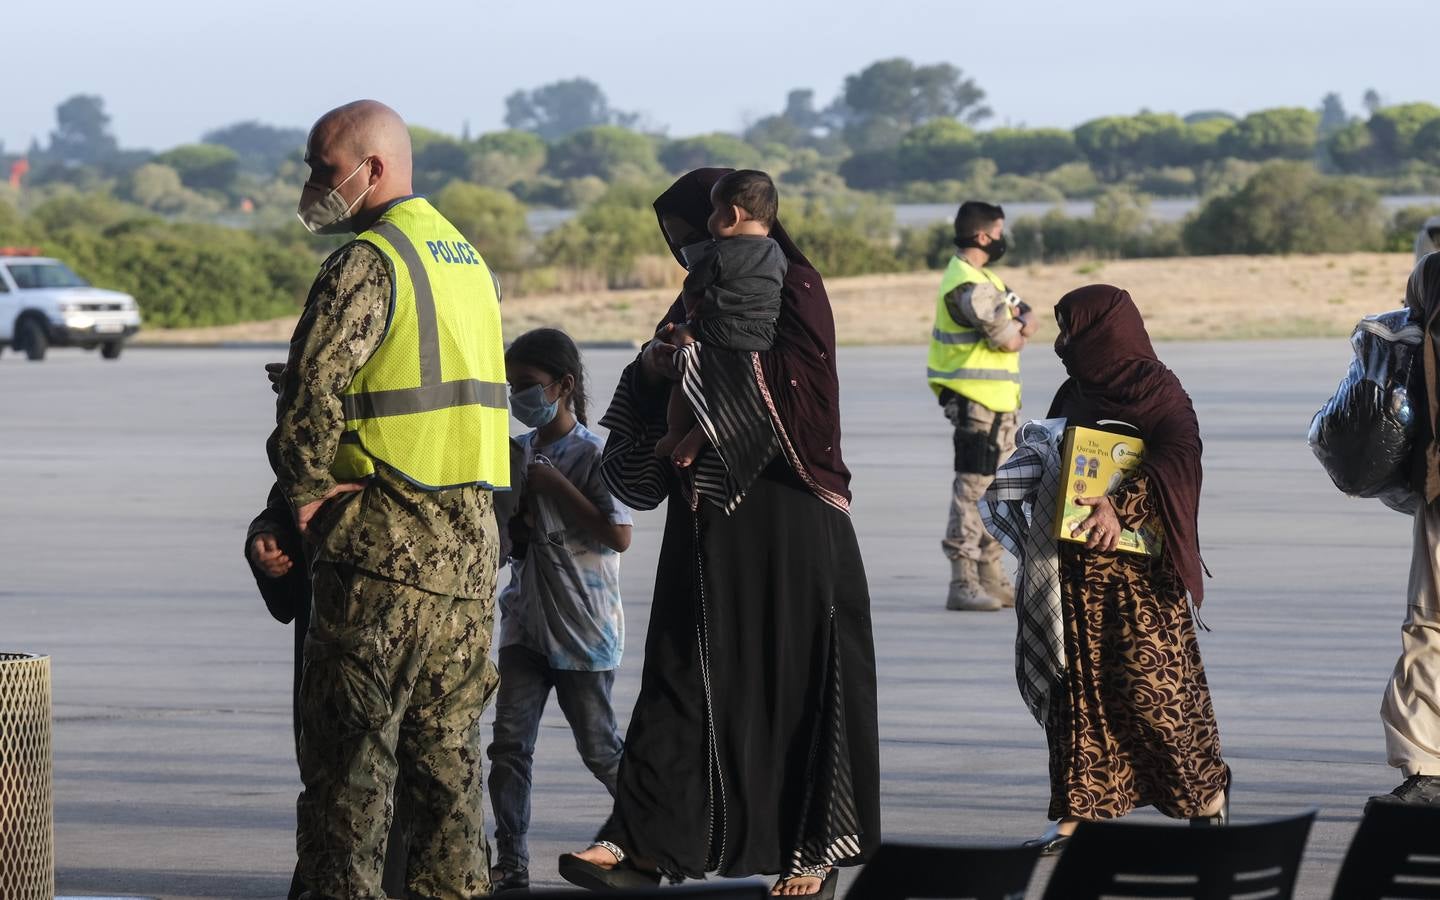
(1095,462)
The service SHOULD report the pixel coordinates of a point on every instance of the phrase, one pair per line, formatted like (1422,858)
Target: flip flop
(827,886)
(619,877)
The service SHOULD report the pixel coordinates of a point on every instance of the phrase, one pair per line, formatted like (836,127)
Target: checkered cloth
(1019,510)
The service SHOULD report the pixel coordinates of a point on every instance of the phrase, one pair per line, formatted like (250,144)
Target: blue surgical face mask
(531,408)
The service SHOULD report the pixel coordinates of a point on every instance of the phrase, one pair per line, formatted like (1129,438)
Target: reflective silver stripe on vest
(426,324)
(953,337)
(974,375)
(406,401)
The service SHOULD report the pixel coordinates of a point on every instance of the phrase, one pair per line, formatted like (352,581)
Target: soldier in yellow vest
(974,370)
(391,432)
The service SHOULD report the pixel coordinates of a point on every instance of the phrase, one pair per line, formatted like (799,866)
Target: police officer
(276,554)
(974,370)
(391,432)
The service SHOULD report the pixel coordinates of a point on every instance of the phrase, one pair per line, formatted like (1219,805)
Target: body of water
(917,215)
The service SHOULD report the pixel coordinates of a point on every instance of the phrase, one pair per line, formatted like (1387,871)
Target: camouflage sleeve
(985,308)
(343,322)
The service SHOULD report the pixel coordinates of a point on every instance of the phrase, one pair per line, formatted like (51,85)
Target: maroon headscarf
(1115,374)
(798,375)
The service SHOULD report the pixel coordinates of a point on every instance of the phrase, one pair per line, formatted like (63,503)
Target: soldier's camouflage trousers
(984,439)
(395,680)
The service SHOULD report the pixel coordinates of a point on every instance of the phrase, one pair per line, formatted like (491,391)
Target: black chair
(1395,854)
(731,890)
(906,871)
(1126,859)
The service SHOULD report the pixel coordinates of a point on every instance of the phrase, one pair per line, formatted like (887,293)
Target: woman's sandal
(622,876)
(1222,817)
(829,877)
(1051,843)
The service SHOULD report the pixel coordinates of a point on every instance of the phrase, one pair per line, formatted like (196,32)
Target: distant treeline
(205,233)
(909,132)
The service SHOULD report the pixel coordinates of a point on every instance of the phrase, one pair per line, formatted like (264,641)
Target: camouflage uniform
(965,534)
(397,668)
(982,307)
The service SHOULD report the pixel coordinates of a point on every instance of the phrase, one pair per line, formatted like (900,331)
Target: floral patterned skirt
(1135,726)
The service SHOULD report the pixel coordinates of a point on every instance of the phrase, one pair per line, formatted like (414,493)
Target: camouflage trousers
(394,684)
(975,431)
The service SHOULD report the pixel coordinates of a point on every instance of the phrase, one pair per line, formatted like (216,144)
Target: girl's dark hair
(553,352)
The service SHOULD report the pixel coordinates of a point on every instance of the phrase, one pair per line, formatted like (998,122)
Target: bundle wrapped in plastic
(1363,436)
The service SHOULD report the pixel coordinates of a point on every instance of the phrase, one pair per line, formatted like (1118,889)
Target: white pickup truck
(44,304)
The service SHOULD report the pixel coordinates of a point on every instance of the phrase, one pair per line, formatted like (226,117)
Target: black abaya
(770,603)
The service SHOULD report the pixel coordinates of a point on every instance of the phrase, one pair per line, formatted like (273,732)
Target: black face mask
(994,250)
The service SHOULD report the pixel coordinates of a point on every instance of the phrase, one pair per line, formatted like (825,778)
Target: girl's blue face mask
(531,408)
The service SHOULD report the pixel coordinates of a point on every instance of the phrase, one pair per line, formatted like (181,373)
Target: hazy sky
(171,69)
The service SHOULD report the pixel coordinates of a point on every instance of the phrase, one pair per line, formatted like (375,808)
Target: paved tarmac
(128,486)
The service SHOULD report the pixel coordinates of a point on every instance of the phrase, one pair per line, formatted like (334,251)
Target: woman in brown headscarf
(753,747)
(1133,725)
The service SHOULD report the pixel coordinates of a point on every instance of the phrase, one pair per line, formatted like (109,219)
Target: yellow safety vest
(430,402)
(961,359)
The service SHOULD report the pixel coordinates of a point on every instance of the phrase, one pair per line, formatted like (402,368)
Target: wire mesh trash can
(27,811)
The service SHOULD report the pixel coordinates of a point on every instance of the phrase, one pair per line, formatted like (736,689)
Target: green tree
(1209,115)
(1426,145)
(715,149)
(844,233)
(562,108)
(1352,148)
(606,151)
(1404,226)
(159,189)
(203,167)
(936,150)
(1203,139)
(14,230)
(1284,133)
(1119,227)
(1394,129)
(72,210)
(82,133)
(1027,151)
(889,98)
(492,220)
(505,158)
(606,237)
(871,170)
(261,148)
(1288,207)
(1117,146)
(438,159)
(1333,116)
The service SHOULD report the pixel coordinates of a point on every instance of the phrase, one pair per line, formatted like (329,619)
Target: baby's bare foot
(665,447)
(688,448)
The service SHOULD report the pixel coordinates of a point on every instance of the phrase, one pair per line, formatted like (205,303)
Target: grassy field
(1196,298)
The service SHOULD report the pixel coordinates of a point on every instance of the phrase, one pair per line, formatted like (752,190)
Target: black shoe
(1050,843)
(503,880)
(1221,818)
(1417,789)
(619,877)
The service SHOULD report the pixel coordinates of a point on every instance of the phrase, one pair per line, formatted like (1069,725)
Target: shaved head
(348,137)
(364,128)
